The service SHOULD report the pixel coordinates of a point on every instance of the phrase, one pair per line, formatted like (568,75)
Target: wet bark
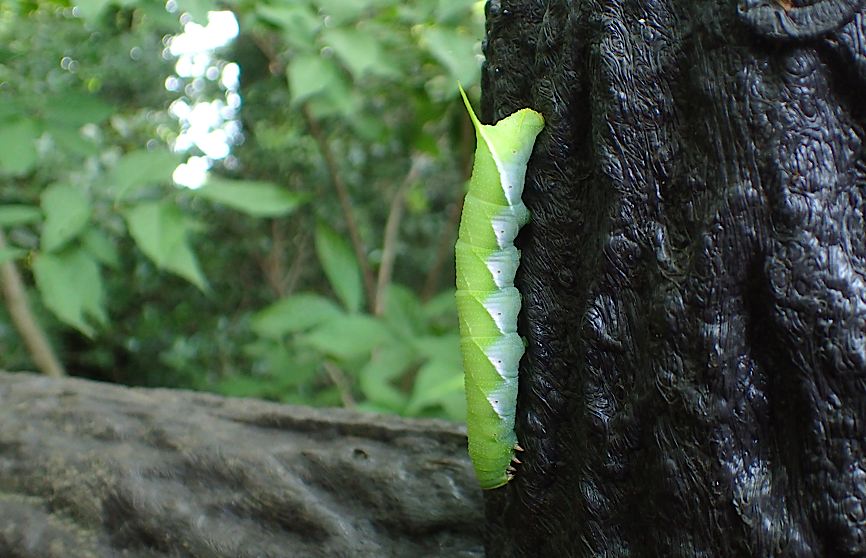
(694,277)
(96,470)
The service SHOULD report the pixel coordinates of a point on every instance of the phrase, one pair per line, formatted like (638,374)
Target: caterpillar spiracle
(487,301)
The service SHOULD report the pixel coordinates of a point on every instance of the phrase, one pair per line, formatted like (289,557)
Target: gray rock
(90,469)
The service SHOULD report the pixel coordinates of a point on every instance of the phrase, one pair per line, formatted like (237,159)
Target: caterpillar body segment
(487,302)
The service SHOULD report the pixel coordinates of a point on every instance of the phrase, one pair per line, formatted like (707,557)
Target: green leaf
(403,310)
(161,230)
(14,215)
(340,267)
(360,52)
(101,247)
(9,254)
(339,101)
(197,9)
(11,108)
(347,337)
(256,198)
(320,83)
(299,23)
(71,287)
(18,146)
(287,369)
(454,11)
(153,15)
(240,385)
(92,10)
(443,305)
(293,369)
(141,168)
(67,213)
(454,404)
(70,140)
(343,11)
(411,14)
(442,347)
(74,110)
(437,380)
(455,51)
(313,75)
(292,314)
(387,365)
(370,128)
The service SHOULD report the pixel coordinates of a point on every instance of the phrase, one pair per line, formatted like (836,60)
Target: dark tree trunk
(91,470)
(694,277)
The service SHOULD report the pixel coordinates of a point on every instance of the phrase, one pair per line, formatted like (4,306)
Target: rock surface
(97,470)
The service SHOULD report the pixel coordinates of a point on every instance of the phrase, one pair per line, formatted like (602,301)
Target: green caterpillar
(487,302)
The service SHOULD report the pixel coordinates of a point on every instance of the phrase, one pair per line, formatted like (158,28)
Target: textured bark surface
(694,277)
(95,470)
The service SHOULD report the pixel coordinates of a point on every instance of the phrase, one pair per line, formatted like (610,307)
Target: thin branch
(25,322)
(345,203)
(342,383)
(274,262)
(298,263)
(392,230)
(277,67)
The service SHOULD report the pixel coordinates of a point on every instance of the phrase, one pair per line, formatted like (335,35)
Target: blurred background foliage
(313,264)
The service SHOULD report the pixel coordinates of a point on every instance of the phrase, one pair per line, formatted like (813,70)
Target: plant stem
(392,230)
(339,378)
(273,264)
(345,204)
(25,322)
(298,263)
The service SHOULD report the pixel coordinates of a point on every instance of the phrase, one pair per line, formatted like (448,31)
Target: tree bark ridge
(692,277)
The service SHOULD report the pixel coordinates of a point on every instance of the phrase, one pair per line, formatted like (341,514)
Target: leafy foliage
(278,277)
(253,197)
